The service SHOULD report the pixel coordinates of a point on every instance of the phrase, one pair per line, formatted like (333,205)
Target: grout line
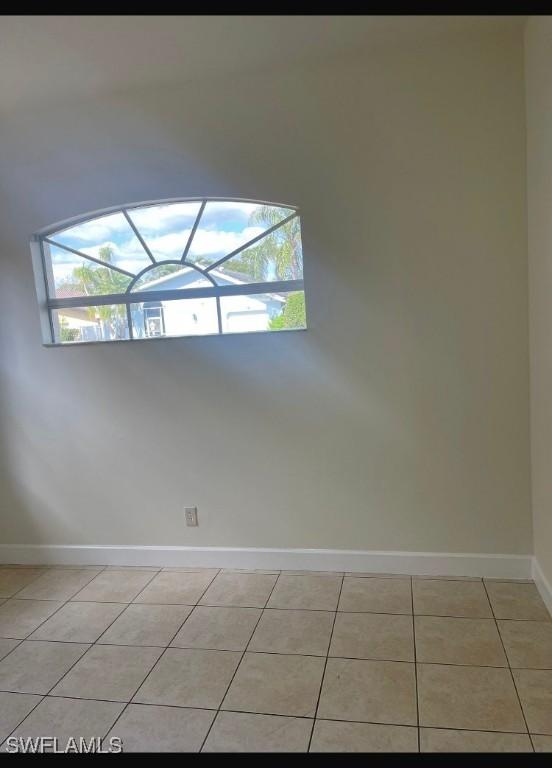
(43,696)
(230,605)
(32,581)
(415,665)
(49,691)
(196,605)
(55,599)
(123,710)
(264,653)
(509,666)
(164,650)
(240,661)
(90,645)
(325,664)
(277,714)
(125,609)
(145,602)
(24,639)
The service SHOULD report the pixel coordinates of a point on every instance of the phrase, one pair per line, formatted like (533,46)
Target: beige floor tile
(443,740)
(175,587)
(14,579)
(146,625)
(515,600)
(372,575)
(109,672)
(332,736)
(376,595)
(528,643)
(275,684)
(446,640)
(269,571)
(434,577)
(14,707)
(373,636)
(293,632)
(29,566)
(189,678)
(69,718)
(310,573)
(474,698)
(190,569)
(150,568)
(535,691)
(60,566)
(451,598)
(241,732)
(79,622)
(219,628)
(319,593)
(6,646)
(511,581)
(248,590)
(370,691)
(18,618)
(57,584)
(148,728)
(542,743)
(36,666)
(114,587)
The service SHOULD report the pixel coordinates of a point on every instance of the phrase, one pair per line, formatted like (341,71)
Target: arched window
(171,268)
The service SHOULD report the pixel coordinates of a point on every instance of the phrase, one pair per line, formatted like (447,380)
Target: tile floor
(202,659)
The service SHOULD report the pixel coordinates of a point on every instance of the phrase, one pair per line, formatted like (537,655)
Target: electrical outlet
(191,516)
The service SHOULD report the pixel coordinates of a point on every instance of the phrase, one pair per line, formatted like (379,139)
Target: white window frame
(49,304)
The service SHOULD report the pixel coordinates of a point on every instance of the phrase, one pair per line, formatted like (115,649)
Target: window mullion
(139,236)
(194,229)
(280,286)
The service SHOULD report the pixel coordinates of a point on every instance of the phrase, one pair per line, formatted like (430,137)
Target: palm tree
(94,280)
(278,255)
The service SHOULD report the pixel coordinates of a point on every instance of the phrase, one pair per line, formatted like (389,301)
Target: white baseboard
(411,563)
(543,585)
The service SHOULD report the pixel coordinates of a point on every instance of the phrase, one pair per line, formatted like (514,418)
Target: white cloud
(164,217)
(169,246)
(207,242)
(104,228)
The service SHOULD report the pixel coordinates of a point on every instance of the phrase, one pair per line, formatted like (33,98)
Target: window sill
(172,338)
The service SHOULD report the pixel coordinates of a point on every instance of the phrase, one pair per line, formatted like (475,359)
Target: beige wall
(538,61)
(398,421)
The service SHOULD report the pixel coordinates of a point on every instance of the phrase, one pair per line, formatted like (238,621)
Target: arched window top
(206,250)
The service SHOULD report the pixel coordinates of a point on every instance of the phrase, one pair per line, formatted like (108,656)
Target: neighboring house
(188,317)
(185,317)
(78,323)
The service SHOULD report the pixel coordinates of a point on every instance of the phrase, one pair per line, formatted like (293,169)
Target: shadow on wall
(397,419)
(100,445)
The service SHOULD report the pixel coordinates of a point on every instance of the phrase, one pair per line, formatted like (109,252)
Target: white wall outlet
(191,516)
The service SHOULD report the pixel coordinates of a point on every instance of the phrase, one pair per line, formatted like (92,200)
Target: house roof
(221,276)
(68,291)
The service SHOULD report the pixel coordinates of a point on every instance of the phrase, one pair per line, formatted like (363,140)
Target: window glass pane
(168,277)
(278,256)
(226,225)
(105,323)
(109,238)
(263,312)
(180,317)
(166,228)
(70,276)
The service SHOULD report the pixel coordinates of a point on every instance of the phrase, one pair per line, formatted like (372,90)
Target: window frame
(48,305)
